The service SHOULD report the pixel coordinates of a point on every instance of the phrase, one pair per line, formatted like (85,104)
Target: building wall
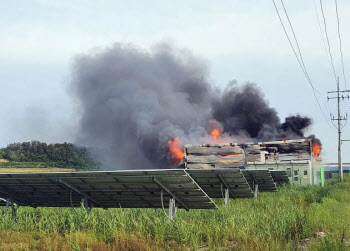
(299,172)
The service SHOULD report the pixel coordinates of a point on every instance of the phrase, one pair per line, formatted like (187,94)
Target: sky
(240,40)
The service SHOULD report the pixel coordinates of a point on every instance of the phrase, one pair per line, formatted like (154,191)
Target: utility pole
(339,127)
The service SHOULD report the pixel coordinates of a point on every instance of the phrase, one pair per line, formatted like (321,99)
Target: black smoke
(244,108)
(132,101)
(295,125)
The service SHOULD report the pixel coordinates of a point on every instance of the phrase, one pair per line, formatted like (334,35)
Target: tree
(66,154)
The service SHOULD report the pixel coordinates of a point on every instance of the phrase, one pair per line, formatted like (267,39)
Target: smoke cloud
(133,101)
(244,108)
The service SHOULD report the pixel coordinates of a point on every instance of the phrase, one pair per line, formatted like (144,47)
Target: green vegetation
(38,154)
(13,164)
(287,220)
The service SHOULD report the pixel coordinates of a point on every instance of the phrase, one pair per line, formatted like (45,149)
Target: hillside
(37,154)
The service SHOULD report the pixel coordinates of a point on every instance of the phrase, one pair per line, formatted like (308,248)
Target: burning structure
(139,108)
(299,158)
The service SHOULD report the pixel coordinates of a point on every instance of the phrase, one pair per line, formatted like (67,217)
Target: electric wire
(327,53)
(340,43)
(291,45)
(298,47)
(320,28)
(327,38)
(322,36)
(346,121)
(299,60)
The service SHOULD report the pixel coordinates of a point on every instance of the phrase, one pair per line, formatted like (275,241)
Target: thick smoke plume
(133,101)
(244,108)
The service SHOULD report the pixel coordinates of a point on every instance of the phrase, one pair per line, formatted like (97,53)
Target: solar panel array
(261,177)
(191,188)
(280,176)
(126,189)
(213,181)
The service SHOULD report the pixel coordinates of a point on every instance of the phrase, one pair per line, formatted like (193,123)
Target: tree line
(65,154)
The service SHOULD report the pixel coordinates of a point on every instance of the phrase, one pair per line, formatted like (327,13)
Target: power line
(320,28)
(340,43)
(291,45)
(300,61)
(329,46)
(326,49)
(296,41)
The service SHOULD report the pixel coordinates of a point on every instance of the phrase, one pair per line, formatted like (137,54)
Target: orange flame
(176,151)
(316,150)
(215,133)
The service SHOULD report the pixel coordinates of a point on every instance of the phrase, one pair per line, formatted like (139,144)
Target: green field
(13,164)
(286,220)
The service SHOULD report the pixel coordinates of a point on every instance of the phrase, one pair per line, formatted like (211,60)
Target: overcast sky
(240,40)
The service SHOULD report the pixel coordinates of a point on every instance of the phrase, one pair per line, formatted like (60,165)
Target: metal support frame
(171,193)
(8,193)
(85,204)
(135,193)
(255,186)
(11,204)
(75,189)
(228,191)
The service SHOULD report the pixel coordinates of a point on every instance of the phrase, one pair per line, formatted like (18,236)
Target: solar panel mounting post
(169,192)
(75,189)
(9,203)
(228,191)
(256,186)
(227,197)
(172,209)
(85,204)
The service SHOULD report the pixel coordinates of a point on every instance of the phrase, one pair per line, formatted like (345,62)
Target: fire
(176,151)
(316,149)
(215,133)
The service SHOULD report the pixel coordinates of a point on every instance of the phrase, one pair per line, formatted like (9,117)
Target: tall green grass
(274,221)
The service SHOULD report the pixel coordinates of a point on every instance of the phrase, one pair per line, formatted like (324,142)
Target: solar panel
(213,182)
(279,176)
(106,189)
(261,177)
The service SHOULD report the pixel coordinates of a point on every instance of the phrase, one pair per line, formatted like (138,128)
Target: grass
(286,220)
(32,167)
(13,164)
(33,164)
